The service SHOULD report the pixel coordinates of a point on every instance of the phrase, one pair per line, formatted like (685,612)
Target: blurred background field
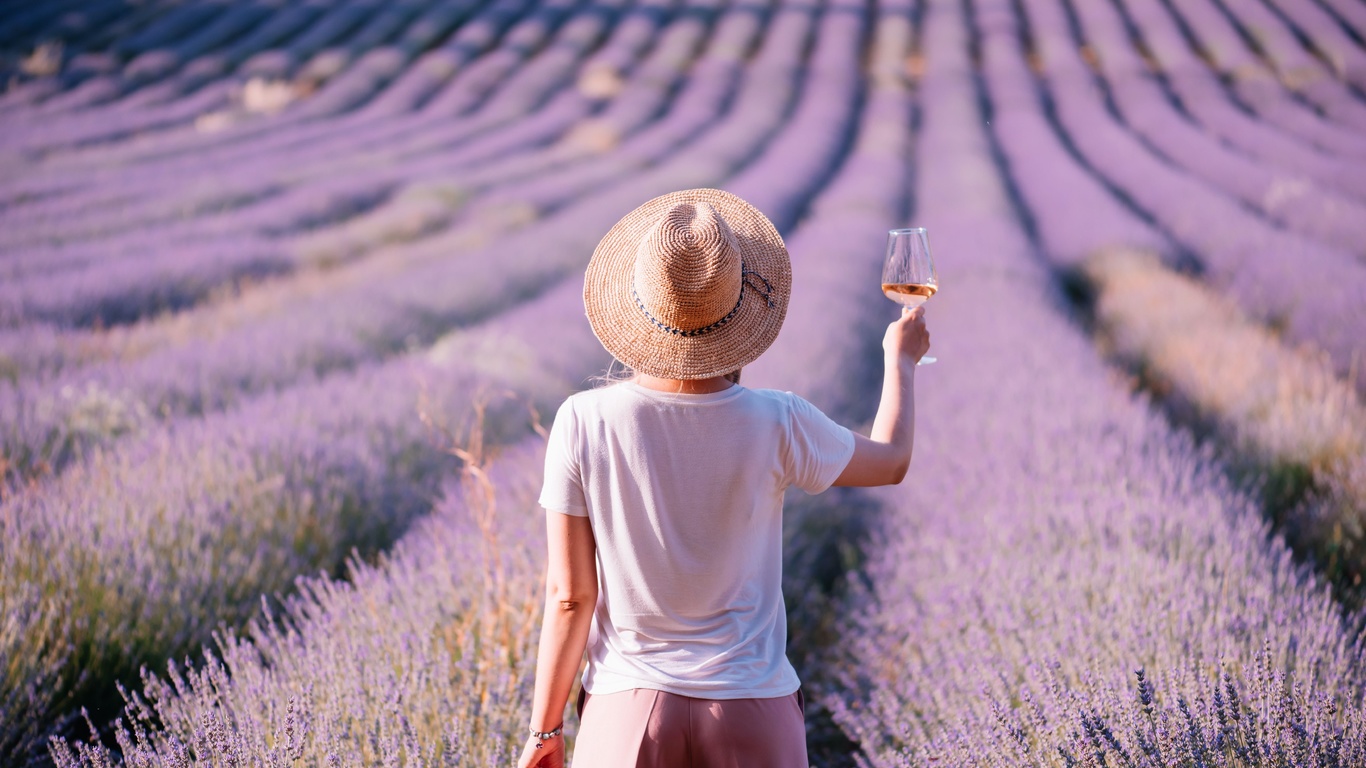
(289,288)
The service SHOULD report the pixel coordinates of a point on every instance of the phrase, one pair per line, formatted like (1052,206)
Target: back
(684,494)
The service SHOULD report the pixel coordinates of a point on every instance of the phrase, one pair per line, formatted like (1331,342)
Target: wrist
(548,733)
(897,361)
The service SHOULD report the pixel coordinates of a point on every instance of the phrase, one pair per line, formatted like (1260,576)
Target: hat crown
(688,270)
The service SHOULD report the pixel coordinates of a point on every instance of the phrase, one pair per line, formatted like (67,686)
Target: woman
(664,499)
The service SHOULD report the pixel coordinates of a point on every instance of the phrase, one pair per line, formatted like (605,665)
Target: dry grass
(1281,409)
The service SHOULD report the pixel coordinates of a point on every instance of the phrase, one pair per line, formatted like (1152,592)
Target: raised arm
(883,457)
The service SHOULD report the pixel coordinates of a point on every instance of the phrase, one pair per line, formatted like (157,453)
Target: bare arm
(883,457)
(571,593)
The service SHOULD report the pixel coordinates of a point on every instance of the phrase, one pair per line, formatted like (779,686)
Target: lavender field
(289,288)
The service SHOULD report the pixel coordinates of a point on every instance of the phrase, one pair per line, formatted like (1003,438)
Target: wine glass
(908,276)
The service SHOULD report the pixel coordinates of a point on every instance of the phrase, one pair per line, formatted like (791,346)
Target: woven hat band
(688,271)
(752,280)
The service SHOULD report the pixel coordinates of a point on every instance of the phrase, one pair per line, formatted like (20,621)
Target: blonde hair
(618,372)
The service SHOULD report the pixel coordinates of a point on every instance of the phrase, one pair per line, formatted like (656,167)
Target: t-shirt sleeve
(819,449)
(563,488)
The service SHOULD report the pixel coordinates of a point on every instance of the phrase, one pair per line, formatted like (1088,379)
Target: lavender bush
(1282,410)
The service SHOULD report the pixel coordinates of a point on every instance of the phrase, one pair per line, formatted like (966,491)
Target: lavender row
(355,322)
(1281,415)
(148,186)
(92,165)
(451,612)
(1296,203)
(1202,95)
(198,87)
(1310,21)
(85,35)
(1314,292)
(113,209)
(1298,67)
(23,24)
(703,98)
(558,138)
(117,299)
(1255,85)
(78,32)
(342,328)
(274,209)
(153,61)
(246,698)
(1072,211)
(534,24)
(512,199)
(159,46)
(1086,232)
(256,431)
(1351,16)
(424,31)
(102,565)
(1067,581)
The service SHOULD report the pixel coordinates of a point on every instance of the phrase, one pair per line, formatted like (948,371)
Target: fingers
(910,315)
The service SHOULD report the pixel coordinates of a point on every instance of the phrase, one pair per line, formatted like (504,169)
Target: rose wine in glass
(908,276)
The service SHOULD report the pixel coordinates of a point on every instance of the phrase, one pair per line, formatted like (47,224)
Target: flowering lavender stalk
(426,656)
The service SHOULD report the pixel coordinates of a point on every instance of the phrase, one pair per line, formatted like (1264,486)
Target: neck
(684,386)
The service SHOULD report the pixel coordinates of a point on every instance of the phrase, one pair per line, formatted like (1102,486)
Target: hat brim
(629,335)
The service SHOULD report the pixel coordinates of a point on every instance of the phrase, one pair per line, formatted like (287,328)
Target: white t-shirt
(685,496)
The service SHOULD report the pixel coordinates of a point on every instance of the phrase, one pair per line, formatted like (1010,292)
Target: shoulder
(589,403)
(786,402)
(799,414)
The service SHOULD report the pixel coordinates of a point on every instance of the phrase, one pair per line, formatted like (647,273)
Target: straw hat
(690,285)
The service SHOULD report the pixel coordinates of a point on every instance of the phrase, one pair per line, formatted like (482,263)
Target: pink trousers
(643,728)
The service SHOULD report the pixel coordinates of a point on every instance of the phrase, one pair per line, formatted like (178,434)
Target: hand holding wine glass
(908,276)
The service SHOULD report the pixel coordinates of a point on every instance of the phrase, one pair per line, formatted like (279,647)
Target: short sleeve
(819,448)
(563,488)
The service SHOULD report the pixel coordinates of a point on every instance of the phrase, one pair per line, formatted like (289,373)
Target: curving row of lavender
(332,238)
(1087,589)
(353,318)
(432,204)
(245,693)
(1311,290)
(1052,177)
(358,316)
(291,475)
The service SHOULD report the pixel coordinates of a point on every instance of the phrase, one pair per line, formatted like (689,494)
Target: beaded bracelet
(541,736)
